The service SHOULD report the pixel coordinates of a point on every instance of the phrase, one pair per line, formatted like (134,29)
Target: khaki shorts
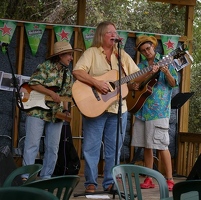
(151,134)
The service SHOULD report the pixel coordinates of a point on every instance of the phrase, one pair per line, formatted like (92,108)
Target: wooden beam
(185,86)
(81,9)
(178,2)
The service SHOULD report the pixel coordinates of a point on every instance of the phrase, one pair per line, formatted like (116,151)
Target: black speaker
(7,165)
(195,173)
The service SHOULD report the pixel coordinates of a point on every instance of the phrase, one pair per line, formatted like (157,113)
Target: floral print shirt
(50,76)
(157,105)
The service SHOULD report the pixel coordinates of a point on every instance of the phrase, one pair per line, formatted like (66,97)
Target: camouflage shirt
(49,75)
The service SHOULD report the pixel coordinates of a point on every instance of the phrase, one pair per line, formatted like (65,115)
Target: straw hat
(144,38)
(62,47)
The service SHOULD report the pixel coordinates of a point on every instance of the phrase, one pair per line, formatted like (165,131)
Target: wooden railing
(189,149)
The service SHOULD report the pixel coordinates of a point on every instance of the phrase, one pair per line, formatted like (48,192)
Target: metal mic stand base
(113,192)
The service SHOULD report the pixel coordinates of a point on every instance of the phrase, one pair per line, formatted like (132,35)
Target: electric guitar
(32,99)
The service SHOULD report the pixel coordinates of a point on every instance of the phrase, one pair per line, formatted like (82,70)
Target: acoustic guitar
(136,98)
(92,103)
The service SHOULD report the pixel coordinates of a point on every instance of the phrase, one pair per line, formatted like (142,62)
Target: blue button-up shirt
(157,105)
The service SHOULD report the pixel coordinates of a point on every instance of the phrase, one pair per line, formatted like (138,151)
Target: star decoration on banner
(35,26)
(5,30)
(169,44)
(121,38)
(63,35)
(92,31)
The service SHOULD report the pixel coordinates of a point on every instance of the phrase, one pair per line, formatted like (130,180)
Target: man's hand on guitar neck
(155,69)
(164,69)
(168,75)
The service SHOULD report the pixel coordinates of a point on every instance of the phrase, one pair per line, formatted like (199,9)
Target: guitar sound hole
(112,85)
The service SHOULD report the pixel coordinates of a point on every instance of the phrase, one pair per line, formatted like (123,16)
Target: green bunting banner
(7,28)
(63,33)
(88,35)
(123,35)
(169,43)
(34,34)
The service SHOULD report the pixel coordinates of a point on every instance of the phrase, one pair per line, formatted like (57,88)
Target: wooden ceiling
(178,2)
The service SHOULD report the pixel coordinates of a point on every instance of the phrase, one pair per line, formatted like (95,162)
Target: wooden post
(185,85)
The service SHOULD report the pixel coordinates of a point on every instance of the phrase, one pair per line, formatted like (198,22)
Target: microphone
(3,44)
(118,40)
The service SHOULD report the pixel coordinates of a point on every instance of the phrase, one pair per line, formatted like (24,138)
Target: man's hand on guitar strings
(102,86)
(135,86)
(56,98)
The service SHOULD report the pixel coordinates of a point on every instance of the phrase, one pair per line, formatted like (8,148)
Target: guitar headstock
(166,60)
(179,52)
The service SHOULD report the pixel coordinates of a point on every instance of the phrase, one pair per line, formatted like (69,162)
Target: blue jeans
(95,130)
(34,130)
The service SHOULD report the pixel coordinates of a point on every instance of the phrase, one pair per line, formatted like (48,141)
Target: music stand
(180,99)
(176,103)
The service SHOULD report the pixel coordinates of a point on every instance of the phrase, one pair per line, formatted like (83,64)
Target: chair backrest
(22,193)
(31,170)
(190,189)
(61,186)
(127,180)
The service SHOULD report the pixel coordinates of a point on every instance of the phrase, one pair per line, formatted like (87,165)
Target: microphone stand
(16,95)
(119,115)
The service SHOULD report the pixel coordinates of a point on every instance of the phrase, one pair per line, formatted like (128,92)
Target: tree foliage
(136,15)
(131,15)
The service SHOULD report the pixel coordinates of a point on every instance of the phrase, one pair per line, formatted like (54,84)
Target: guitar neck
(130,77)
(63,98)
(163,62)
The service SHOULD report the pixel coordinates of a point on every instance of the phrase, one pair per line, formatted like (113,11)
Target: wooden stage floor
(148,194)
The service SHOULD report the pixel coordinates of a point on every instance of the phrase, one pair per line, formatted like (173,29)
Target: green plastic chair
(22,193)
(190,189)
(60,186)
(127,181)
(32,170)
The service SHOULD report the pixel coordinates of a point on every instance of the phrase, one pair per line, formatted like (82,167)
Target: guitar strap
(117,56)
(64,76)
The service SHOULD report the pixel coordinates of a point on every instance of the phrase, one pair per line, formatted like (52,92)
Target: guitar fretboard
(163,62)
(126,79)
